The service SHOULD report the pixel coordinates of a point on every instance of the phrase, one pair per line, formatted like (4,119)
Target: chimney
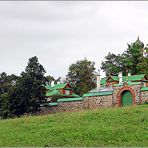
(52,83)
(58,82)
(129,74)
(98,80)
(120,77)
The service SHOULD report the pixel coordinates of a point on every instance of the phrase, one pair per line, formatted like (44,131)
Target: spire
(138,40)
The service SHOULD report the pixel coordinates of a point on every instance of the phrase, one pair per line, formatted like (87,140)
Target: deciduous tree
(81,76)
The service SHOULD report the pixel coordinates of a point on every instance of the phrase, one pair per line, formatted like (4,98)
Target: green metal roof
(69,99)
(57,86)
(136,77)
(75,95)
(118,85)
(115,78)
(103,93)
(103,81)
(144,89)
(53,103)
(129,83)
(53,92)
(48,86)
(57,92)
(129,78)
(133,83)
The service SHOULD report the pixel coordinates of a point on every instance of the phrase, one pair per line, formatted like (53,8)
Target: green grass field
(126,126)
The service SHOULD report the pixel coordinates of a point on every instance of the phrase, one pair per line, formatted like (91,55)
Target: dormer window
(67,92)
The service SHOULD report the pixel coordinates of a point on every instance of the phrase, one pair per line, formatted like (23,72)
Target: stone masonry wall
(144,96)
(88,102)
(48,110)
(96,101)
(70,106)
(136,89)
(116,90)
(99,101)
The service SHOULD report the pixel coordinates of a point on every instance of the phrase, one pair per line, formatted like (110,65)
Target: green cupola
(139,43)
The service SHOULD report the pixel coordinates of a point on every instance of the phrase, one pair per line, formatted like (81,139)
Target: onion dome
(139,43)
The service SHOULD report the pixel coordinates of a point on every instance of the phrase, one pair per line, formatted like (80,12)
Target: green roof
(118,85)
(129,83)
(129,78)
(75,95)
(57,92)
(56,86)
(115,78)
(102,93)
(136,77)
(48,86)
(144,89)
(133,83)
(59,86)
(53,92)
(103,81)
(53,103)
(70,99)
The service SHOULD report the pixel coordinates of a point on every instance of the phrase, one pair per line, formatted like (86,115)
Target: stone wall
(99,101)
(88,102)
(144,96)
(136,89)
(70,106)
(48,110)
(116,90)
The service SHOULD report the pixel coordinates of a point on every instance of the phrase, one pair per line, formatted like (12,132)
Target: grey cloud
(60,33)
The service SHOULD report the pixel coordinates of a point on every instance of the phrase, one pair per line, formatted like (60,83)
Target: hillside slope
(126,126)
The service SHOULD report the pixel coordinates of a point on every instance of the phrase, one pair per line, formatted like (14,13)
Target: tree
(7,90)
(132,60)
(49,79)
(81,76)
(30,87)
(142,66)
(132,57)
(113,64)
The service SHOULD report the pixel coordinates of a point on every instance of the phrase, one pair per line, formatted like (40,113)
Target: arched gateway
(126,96)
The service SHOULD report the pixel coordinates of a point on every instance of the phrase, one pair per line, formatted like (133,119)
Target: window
(67,92)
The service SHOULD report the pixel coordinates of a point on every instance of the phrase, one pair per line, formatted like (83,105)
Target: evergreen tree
(133,56)
(31,87)
(132,60)
(7,90)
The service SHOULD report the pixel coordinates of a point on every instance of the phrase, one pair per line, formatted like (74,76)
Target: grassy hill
(126,126)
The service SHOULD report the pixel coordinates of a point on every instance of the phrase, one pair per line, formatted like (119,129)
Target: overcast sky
(60,33)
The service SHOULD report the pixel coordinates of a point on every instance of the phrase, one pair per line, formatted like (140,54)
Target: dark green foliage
(31,86)
(7,92)
(143,64)
(24,94)
(49,79)
(113,64)
(132,57)
(133,60)
(81,76)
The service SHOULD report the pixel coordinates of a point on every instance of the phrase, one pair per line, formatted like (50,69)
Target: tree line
(25,94)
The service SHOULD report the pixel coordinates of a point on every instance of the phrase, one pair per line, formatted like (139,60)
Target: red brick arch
(119,94)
